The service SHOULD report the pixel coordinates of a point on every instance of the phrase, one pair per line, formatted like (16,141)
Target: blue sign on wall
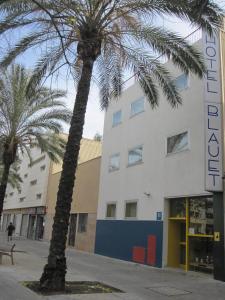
(159,216)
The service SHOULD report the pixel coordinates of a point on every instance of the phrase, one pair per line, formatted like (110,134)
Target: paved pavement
(138,282)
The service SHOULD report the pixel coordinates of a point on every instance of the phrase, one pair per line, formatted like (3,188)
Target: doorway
(191,233)
(31,227)
(39,227)
(23,228)
(72,230)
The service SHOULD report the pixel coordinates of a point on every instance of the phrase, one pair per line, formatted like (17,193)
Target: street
(137,281)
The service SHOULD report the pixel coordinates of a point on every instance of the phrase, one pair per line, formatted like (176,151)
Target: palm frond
(26,117)
(27,42)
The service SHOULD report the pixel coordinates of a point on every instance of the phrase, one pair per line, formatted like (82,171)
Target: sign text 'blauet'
(213,120)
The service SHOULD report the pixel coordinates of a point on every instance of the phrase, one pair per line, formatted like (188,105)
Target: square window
(181,82)
(177,143)
(131,210)
(11,194)
(38,196)
(137,106)
(114,162)
(82,222)
(25,175)
(135,155)
(117,118)
(42,168)
(33,182)
(22,199)
(111,210)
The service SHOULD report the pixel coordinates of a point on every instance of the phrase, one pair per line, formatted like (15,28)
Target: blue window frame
(181,82)
(135,155)
(117,118)
(114,162)
(177,143)
(137,106)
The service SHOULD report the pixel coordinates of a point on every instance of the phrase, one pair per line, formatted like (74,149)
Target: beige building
(26,207)
(81,234)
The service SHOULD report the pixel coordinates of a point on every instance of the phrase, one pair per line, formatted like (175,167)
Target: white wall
(163,176)
(27,190)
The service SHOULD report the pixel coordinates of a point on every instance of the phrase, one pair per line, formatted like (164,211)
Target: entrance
(23,228)
(190,234)
(4,223)
(39,227)
(31,227)
(72,230)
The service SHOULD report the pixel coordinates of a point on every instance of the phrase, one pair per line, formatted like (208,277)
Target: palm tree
(14,179)
(30,116)
(101,39)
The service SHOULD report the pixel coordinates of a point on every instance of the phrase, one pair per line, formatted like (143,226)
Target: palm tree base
(53,277)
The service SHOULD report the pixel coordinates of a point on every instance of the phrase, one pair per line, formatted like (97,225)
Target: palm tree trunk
(3,186)
(53,277)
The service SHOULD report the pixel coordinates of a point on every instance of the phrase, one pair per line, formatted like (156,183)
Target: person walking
(10,230)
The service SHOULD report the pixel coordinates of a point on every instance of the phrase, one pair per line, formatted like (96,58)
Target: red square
(139,254)
(151,251)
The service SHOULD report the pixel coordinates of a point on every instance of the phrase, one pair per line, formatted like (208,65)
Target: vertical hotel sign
(213,114)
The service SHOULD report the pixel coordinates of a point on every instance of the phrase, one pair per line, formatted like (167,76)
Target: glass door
(190,234)
(31,227)
(200,234)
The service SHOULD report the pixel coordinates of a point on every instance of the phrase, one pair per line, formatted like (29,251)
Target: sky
(94,119)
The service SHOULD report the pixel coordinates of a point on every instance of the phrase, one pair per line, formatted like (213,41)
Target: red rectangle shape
(139,254)
(151,250)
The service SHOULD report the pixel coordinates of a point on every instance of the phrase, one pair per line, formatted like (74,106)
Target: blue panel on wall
(116,238)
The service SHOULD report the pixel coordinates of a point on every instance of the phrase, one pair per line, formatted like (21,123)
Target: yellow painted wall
(85,200)
(85,197)
(89,149)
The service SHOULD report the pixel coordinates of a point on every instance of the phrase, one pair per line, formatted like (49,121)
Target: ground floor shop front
(191,234)
(81,231)
(184,238)
(28,222)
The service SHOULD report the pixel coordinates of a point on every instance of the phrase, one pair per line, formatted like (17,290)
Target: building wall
(118,239)
(27,201)
(85,199)
(160,175)
(27,190)
(89,149)
(16,215)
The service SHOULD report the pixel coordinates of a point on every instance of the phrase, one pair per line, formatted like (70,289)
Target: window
(36,161)
(117,118)
(25,175)
(137,106)
(181,82)
(114,162)
(42,168)
(131,210)
(38,196)
(33,182)
(135,155)
(82,222)
(22,199)
(11,194)
(177,143)
(6,195)
(111,210)
(19,191)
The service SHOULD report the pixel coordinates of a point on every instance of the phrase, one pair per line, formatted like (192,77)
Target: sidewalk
(138,282)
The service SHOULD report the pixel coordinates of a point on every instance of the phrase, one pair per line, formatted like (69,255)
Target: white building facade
(26,207)
(153,206)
